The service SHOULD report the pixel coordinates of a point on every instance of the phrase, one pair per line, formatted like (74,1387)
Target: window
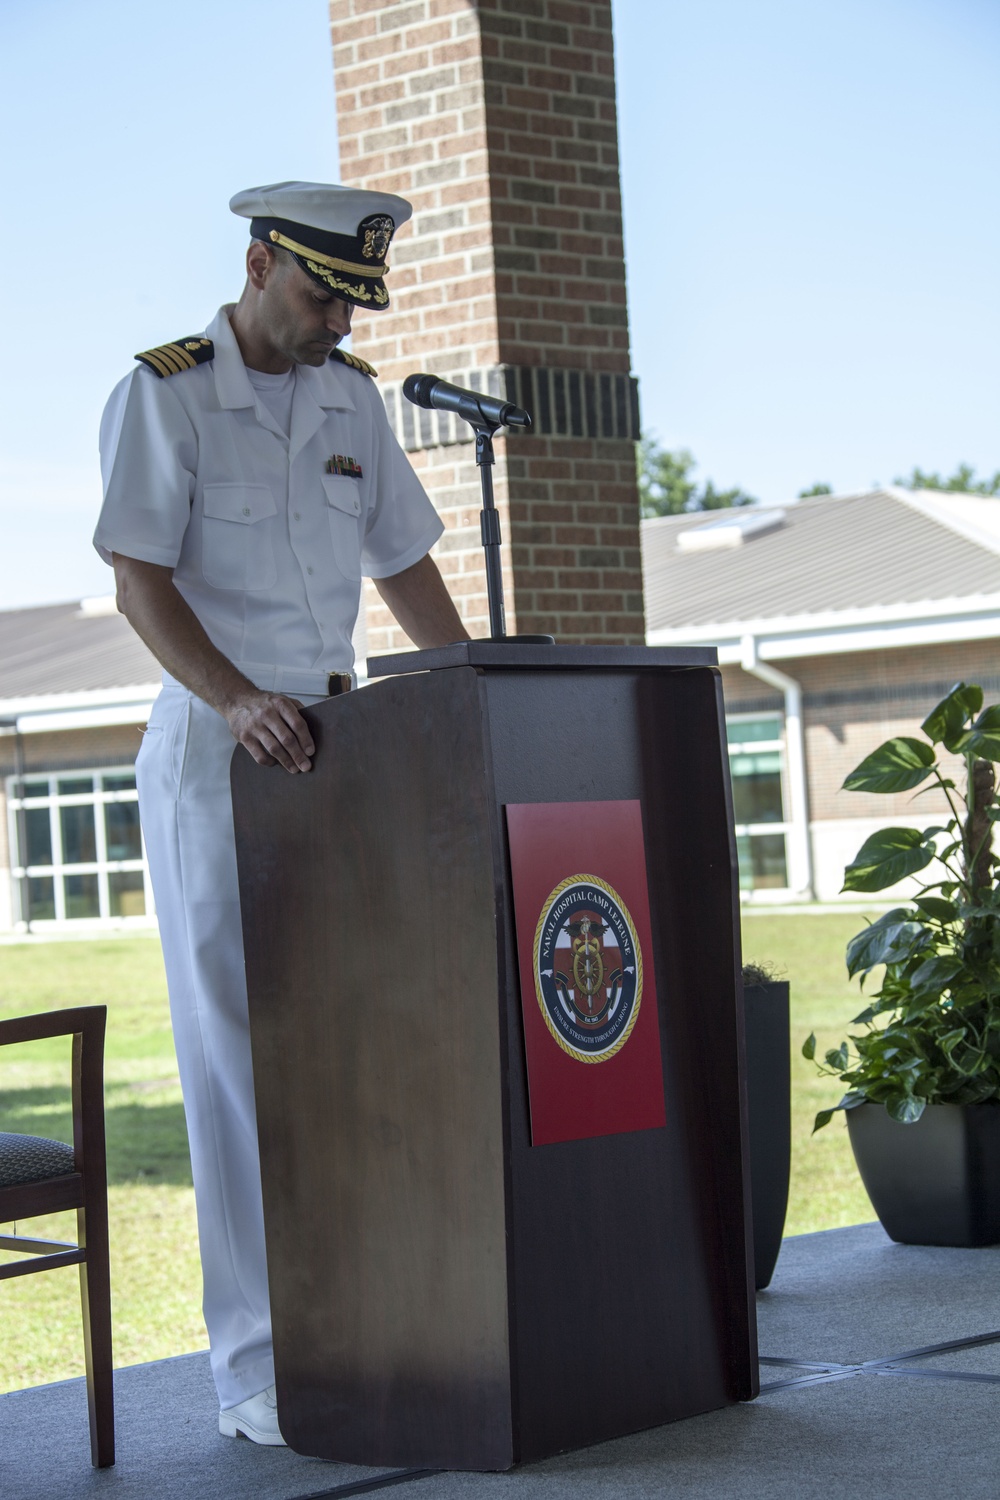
(77,844)
(757,768)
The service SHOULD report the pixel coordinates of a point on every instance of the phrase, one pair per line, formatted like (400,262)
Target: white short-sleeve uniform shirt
(266,546)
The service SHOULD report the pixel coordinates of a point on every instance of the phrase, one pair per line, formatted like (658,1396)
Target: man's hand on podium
(272,728)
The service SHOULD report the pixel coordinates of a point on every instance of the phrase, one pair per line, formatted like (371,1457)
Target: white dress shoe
(255,1418)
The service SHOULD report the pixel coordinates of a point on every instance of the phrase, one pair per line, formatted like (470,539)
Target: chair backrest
(84,1189)
(86,1024)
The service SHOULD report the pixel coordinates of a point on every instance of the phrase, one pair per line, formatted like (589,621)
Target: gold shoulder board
(353,361)
(182,354)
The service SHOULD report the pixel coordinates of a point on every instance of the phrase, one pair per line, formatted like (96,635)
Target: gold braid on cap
(356,290)
(326,262)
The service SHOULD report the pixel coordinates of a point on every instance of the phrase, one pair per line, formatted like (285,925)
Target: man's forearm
(268,724)
(422,605)
(162,617)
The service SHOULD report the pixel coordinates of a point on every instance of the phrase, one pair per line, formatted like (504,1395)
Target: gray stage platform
(847,1409)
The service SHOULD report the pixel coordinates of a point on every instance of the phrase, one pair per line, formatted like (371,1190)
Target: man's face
(302,321)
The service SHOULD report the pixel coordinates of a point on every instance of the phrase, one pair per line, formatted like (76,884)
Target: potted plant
(923,1076)
(765,1008)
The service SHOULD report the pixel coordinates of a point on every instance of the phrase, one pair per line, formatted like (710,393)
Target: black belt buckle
(337,683)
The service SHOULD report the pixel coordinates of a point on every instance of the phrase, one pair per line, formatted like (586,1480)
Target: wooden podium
(443,1293)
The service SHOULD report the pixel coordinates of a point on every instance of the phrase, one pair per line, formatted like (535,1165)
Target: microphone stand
(489,528)
(485,415)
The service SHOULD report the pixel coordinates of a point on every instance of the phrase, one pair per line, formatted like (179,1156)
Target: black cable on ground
(365,1486)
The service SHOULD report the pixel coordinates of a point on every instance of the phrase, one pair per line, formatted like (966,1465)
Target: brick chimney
(497,121)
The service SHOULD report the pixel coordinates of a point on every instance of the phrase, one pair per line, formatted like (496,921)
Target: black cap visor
(337,262)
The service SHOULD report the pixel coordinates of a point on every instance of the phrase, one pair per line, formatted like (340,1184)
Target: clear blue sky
(811,223)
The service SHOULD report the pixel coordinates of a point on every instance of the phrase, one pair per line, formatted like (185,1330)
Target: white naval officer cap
(338,235)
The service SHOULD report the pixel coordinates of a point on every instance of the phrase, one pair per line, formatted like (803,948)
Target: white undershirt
(275,392)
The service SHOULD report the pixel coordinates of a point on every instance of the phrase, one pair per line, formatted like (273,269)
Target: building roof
(77,648)
(833,552)
(829,573)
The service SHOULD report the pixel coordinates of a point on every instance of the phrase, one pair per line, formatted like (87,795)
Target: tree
(667,489)
(816,489)
(963,481)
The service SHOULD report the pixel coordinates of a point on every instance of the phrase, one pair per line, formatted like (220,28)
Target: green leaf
(937,908)
(966,1059)
(984,740)
(868,1014)
(896,766)
(886,939)
(823,1118)
(886,857)
(809,1046)
(837,1059)
(947,721)
(905,1109)
(951,1040)
(934,973)
(920,1003)
(977,1091)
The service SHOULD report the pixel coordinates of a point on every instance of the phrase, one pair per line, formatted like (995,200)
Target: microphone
(474,406)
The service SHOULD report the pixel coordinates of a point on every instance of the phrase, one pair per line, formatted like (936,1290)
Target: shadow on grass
(147,1142)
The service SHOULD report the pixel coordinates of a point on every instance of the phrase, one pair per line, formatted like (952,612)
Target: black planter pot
(936,1182)
(769,1107)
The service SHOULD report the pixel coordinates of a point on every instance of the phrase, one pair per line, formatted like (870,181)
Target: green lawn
(825,1190)
(155,1274)
(154,1247)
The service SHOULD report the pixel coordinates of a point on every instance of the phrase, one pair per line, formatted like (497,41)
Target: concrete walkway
(850,1407)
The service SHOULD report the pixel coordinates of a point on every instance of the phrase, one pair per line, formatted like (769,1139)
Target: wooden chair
(41,1176)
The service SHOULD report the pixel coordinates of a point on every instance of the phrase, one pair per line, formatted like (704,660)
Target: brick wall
(553,141)
(73,750)
(745,693)
(497,121)
(852,702)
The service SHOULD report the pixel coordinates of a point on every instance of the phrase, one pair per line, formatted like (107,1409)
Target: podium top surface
(509,654)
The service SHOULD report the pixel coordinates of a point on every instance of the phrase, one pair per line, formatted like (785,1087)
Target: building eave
(93,708)
(878,628)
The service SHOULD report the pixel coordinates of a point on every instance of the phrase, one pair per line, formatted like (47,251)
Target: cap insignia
(377,234)
(182,354)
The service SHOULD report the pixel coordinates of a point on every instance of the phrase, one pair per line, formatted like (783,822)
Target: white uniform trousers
(182,772)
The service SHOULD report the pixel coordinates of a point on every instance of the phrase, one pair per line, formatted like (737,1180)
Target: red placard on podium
(588,990)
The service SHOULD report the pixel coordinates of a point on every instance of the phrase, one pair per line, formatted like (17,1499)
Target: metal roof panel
(831,553)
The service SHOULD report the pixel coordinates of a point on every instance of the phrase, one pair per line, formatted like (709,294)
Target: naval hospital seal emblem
(587,968)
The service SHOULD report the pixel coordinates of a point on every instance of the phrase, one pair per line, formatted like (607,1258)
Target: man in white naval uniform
(251,478)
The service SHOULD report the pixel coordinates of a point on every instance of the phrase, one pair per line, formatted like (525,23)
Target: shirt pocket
(237,536)
(343,508)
